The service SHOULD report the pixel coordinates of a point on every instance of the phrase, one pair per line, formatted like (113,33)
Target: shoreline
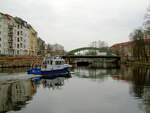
(19,61)
(137,63)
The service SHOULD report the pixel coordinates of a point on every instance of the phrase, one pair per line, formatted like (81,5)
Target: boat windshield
(54,61)
(59,62)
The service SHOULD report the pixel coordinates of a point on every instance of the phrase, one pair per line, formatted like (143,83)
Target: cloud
(75,23)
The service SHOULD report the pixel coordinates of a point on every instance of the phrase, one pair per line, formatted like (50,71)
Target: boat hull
(64,72)
(35,71)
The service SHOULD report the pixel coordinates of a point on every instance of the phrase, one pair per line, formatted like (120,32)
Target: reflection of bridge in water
(84,72)
(95,57)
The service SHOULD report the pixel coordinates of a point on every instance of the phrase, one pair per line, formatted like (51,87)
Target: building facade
(54,49)
(125,49)
(17,37)
(21,39)
(32,41)
(6,34)
(41,47)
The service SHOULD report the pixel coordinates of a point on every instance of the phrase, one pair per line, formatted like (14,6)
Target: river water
(125,90)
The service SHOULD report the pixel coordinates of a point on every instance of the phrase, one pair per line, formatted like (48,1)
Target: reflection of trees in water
(15,94)
(53,83)
(92,73)
(140,87)
(140,79)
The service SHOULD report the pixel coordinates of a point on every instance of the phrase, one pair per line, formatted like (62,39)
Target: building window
(18,52)
(17,45)
(21,45)
(18,39)
(0,39)
(18,33)
(21,32)
(18,26)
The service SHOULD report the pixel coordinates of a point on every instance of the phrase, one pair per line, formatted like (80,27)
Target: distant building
(41,47)
(122,49)
(125,49)
(55,49)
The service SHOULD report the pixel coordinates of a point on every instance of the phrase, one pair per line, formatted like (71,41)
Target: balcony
(10,40)
(10,34)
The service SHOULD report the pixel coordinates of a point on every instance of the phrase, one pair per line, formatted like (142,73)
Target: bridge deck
(90,56)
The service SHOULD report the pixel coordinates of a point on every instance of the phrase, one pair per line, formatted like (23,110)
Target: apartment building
(17,37)
(32,47)
(21,39)
(6,34)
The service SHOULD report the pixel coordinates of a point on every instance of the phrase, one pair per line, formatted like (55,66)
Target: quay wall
(19,61)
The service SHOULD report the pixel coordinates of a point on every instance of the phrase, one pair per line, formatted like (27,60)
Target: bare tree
(98,44)
(138,46)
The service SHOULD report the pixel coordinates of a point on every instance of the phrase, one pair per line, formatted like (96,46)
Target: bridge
(91,50)
(91,55)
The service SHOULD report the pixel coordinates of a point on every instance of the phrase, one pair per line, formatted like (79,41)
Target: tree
(146,25)
(138,49)
(98,44)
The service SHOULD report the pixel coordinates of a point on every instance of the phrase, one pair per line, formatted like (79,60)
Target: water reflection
(55,83)
(141,86)
(139,79)
(85,72)
(133,94)
(15,94)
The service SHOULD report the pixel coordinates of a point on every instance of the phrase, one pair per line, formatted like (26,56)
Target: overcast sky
(76,23)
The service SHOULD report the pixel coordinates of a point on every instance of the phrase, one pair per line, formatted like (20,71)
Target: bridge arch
(104,49)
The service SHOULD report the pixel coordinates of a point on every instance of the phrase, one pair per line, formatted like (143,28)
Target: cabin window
(58,62)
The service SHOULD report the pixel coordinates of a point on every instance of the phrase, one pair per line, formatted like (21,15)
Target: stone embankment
(19,61)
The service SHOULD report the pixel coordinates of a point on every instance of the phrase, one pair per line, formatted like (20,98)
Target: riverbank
(19,61)
(138,63)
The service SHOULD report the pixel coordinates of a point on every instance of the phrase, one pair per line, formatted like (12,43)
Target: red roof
(129,43)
